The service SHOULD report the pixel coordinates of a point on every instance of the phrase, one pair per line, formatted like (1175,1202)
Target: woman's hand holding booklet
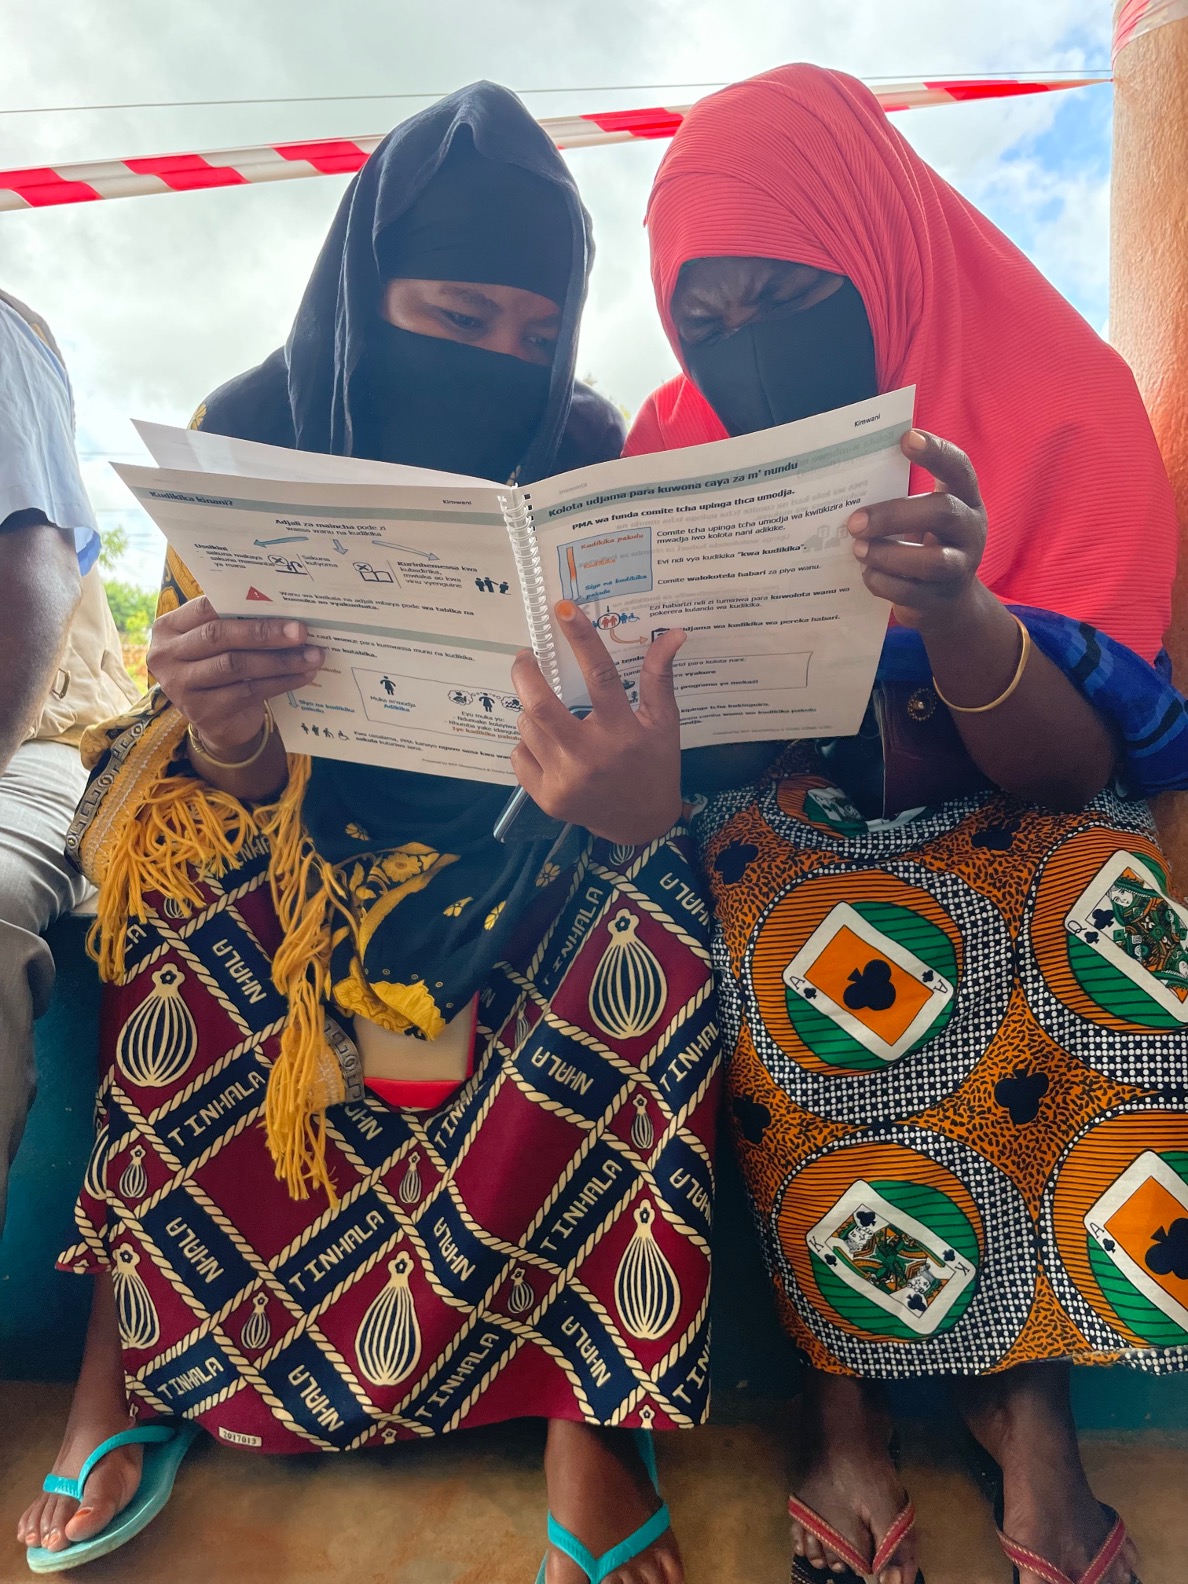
(617,770)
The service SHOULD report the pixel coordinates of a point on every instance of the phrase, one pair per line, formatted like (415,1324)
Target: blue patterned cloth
(1149,715)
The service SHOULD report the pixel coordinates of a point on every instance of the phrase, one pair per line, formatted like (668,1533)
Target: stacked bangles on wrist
(266,732)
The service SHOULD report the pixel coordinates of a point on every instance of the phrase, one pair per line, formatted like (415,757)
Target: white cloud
(157,300)
(1062,218)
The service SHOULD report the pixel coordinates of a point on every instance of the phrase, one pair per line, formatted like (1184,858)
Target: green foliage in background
(132,607)
(111,547)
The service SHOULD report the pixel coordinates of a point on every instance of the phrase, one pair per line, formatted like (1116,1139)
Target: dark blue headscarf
(423,842)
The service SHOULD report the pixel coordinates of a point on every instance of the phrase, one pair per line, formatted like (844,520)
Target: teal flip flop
(595,1568)
(165,1445)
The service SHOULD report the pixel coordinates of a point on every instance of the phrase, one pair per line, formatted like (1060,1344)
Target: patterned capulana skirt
(538,1246)
(960,1050)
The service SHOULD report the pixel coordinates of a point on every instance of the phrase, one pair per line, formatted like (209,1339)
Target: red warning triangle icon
(254,594)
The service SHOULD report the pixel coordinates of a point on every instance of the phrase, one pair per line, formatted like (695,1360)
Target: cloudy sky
(157,300)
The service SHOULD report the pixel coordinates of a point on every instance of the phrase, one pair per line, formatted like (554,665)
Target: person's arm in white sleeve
(46,527)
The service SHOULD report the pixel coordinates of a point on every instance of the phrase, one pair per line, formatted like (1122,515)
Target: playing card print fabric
(537,1246)
(960,1051)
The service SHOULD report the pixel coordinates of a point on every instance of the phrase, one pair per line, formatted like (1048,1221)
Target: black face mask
(433,403)
(791,366)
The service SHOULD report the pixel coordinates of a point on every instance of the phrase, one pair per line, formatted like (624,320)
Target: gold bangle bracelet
(235,764)
(981,709)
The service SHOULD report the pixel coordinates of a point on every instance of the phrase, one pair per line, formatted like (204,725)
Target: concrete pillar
(1149,277)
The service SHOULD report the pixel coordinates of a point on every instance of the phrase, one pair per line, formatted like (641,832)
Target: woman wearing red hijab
(971,1159)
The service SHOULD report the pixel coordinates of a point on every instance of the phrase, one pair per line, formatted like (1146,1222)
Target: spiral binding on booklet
(517,514)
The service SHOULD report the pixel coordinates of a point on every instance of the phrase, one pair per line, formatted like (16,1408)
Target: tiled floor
(471,1510)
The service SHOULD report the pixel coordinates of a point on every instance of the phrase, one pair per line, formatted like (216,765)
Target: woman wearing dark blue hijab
(532,1238)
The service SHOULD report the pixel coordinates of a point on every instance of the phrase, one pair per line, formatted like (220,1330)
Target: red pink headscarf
(801,164)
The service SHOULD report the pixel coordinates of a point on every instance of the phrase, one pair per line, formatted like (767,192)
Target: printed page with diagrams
(743,544)
(422,587)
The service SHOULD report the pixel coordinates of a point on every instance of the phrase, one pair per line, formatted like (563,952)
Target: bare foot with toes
(99,1409)
(852,1482)
(600,1491)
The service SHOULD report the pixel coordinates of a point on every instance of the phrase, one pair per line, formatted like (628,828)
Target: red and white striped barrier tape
(44,186)
(1133,18)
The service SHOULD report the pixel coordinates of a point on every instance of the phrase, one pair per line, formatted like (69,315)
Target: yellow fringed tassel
(183,829)
(306,894)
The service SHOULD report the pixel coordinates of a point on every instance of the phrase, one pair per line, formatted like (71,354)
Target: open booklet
(422,587)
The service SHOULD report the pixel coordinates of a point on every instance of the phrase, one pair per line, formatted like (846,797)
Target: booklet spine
(517,515)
